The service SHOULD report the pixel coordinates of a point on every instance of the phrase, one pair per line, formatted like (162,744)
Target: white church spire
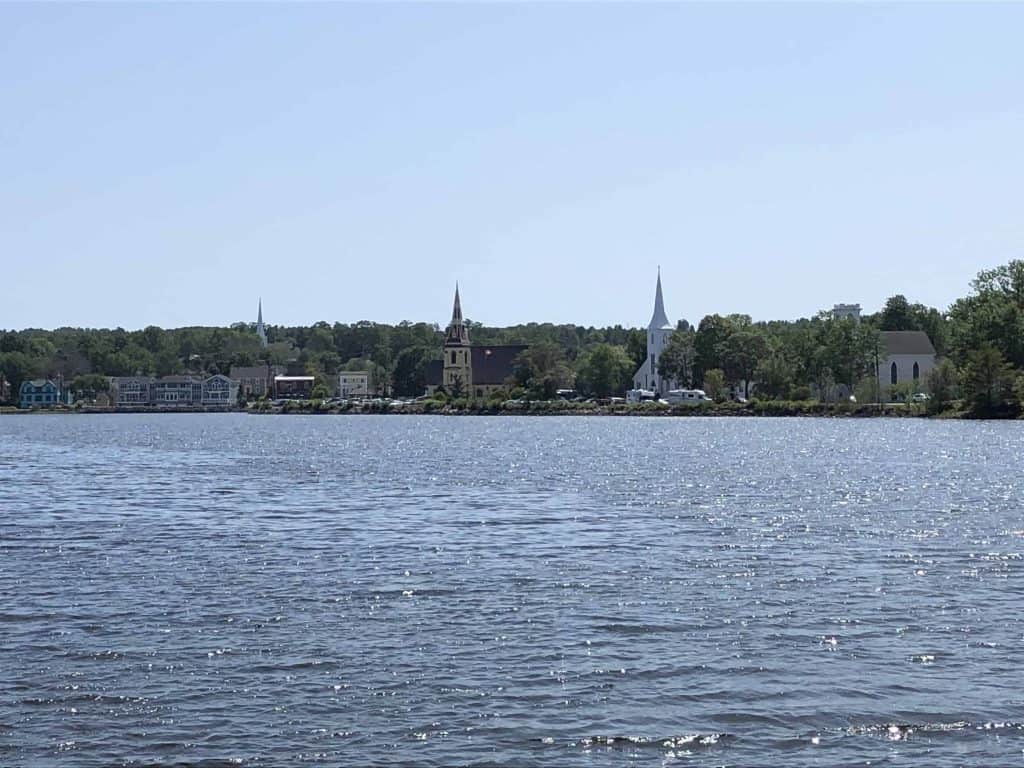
(659,319)
(260,330)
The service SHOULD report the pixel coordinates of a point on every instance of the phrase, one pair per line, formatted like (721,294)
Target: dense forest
(979,339)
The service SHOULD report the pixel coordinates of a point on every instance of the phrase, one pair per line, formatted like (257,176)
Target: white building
(658,332)
(906,357)
(130,390)
(846,312)
(260,330)
(353,384)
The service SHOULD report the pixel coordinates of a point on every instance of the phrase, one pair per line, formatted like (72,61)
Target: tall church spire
(659,319)
(457,331)
(260,330)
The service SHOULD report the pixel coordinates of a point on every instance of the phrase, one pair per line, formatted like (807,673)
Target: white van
(687,397)
(640,396)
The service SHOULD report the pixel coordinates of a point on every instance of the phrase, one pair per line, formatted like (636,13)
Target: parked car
(921,397)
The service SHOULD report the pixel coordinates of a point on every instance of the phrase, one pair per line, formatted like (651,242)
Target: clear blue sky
(167,164)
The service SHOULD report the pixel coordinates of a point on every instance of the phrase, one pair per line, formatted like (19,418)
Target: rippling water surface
(205,590)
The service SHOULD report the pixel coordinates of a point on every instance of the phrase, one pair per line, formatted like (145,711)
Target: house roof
(250,371)
(433,373)
(37,383)
(907,343)
(491,364)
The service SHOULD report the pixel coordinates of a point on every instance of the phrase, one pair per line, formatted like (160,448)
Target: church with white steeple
(658,332)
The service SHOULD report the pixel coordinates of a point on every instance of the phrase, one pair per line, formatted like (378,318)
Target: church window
(917,372)
(892,373)
(453,357)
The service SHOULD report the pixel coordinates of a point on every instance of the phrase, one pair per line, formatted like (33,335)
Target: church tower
(658,332)
(260,330)
(458,358)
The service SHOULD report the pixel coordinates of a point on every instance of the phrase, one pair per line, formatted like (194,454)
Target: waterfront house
(128,391)
(470,371)
(353,384)
(176,391)
(219,390)
(255,380)
(38,393)
(293,387)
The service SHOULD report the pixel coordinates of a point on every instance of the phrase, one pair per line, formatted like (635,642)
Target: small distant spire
(260,330)
(457,331)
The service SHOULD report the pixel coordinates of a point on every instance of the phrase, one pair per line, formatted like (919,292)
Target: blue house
(38,393)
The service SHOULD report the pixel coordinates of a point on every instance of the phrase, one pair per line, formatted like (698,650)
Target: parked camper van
(640,396)
(687,397)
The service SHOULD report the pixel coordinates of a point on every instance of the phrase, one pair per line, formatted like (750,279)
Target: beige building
(353,384)
(256,380)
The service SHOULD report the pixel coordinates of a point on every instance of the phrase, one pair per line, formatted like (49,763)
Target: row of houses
(253,382)
(173,391)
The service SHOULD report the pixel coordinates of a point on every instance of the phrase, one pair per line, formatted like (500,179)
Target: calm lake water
(206,590)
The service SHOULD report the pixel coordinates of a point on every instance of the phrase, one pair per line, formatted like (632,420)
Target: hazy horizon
(168,164)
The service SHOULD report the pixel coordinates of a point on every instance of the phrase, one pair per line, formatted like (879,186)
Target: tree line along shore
(790,365)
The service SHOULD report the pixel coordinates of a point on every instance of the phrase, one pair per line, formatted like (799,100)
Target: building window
(892,373)
(917,372)
(453,357)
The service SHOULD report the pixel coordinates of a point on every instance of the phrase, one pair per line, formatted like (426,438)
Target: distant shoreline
(768,409)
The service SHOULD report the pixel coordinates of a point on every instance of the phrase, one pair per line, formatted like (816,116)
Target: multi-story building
(293,387)
(176,391)
(38,393)
(353,384)
(173,391)
(219,390)
(256,380)
(127,391)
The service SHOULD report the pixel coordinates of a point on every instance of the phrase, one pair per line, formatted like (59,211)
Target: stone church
(468,370)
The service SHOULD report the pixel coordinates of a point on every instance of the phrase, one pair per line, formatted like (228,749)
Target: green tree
(675,363)
(992,316)
(987,381)
(740,354)
(707,343)
(714,385)
(942,381)
(409,375)
(603,370)
(542,370)
(17,367)
(89,384)
(774,377)
(897,315)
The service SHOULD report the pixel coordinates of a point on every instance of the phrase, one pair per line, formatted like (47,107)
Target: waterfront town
(902,354)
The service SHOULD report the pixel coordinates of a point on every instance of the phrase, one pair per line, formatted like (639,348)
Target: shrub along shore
(956,409)
(775,408)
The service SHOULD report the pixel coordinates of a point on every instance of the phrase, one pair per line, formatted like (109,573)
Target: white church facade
(659,330)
